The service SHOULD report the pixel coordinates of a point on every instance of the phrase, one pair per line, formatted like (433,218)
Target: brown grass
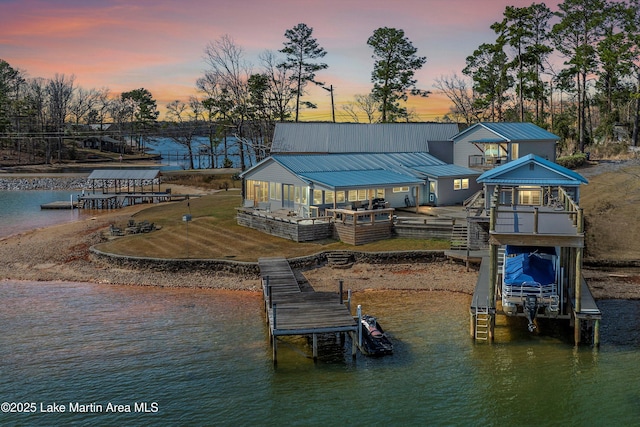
(611,201)
(214,233)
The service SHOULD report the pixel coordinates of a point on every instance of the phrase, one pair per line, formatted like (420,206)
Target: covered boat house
(535,234)
(115,188)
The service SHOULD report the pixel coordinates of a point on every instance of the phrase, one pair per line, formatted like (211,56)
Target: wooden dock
(290,311)
(59,205)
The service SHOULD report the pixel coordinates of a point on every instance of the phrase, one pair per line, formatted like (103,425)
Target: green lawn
(213,233)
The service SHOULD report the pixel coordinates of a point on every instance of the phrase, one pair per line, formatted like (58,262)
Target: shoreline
(28,256)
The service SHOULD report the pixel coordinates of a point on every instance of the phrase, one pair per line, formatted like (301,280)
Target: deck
(536,226)
(290,311)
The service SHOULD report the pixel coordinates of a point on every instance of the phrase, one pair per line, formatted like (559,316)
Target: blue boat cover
(528,267)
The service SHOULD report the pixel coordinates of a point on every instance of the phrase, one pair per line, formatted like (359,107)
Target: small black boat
(374,341)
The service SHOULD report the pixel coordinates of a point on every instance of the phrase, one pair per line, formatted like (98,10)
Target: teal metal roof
(517,172)
(328,138)
(441,171)
(510,132)
(353,170)
(363,178)
(303,163)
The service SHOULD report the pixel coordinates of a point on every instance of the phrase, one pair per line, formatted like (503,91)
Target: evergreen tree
(300,50)
(393,71)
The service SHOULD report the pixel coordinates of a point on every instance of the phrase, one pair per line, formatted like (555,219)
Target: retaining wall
(252,268)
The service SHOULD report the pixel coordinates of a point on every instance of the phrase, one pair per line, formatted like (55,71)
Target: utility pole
(333,109)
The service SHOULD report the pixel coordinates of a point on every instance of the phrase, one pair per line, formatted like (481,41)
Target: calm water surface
(20,210)
(203,357)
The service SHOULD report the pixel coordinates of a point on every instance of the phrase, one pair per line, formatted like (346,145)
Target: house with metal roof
(487,145)
(315,166)
(534,178)
(533,226)
(326,138)
(530,181)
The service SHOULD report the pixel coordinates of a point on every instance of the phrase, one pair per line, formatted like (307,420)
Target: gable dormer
(487,145)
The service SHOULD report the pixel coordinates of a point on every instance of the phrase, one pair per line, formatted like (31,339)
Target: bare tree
(460,94)
(281,89)
(82,103)
(184,124)
(363,104)
(59,90)
(229,74)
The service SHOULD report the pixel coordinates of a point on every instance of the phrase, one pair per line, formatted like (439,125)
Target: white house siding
(273,172)
(463,148)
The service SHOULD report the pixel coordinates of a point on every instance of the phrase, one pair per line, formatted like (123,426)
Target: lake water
(175,156)
(20,210)
(202,357)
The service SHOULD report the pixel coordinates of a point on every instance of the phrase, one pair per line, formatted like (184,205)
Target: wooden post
(493,272)
(353,346)
(359,325)
(274,348)
(340,301)
(315,347)
(535,220)
(578,269)
(472,324)
(349,300)
(578,279)
(596,333)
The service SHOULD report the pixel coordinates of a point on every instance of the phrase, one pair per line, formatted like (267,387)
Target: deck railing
(557,201)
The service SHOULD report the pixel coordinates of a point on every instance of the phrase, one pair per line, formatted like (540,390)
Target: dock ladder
(482,323)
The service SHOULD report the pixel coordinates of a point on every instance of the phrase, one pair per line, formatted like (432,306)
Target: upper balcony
(557,222)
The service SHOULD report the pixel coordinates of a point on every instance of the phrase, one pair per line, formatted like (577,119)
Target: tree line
(587,96)
(38,117)
(575,71)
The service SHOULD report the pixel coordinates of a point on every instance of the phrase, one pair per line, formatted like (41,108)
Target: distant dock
(59,205)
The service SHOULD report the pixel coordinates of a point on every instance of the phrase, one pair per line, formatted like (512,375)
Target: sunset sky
(159,45)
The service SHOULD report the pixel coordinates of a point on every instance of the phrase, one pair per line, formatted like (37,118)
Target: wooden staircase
(459,239)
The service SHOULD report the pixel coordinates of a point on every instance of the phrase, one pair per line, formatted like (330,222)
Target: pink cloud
(159,44)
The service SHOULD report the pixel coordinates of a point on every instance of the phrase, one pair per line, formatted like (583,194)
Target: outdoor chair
(115,231)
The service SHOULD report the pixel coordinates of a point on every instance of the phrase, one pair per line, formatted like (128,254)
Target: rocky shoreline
(46,183)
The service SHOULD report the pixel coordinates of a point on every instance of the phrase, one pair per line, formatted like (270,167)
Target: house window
(317,197)
(258,191)
(304,195)
(380,193)
(461,184)
(515,150)
(328,197)
(400,189)
(275,191)
(297,195)
(340,197)
(353,195)
(530,196)
(362,195)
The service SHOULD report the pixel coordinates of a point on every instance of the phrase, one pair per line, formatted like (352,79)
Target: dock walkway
(290,311)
